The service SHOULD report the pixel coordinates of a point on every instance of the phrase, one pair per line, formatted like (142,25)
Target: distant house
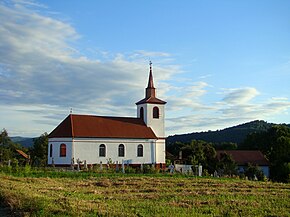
(98,139)
(242,158)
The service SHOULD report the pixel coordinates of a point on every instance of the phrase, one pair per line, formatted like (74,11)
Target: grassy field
(141,195)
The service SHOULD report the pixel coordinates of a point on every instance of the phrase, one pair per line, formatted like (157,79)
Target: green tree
(39,150)
(227,165)
(174,148)
(227,146)
(253,171)
(210,162)
(8,149)
(275,144)
(200,152)
(5,143)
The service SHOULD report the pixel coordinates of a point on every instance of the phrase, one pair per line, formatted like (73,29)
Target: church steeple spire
(150,90)
(150,93)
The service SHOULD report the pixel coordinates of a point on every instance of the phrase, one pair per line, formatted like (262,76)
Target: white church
(99,139)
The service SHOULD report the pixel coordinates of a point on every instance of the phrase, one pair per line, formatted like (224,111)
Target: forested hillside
(24,141)
(236,134)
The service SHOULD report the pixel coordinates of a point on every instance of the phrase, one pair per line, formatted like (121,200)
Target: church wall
(56,142)
(156,124)
(160,151)
(88,149)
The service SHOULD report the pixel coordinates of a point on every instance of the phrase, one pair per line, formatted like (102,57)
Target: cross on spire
(150,80)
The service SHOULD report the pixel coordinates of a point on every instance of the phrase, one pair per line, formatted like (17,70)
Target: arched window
(50,150)
(155,112)
(62,150)
(142,113)
(102,150)
(140,150)
(121,150)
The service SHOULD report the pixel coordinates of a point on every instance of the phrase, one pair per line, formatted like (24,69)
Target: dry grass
(144,196)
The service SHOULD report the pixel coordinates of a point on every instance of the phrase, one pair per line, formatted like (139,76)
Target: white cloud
(27,3)
(149,54)
(279,98)
(185,97)
(239,95)
(205,76)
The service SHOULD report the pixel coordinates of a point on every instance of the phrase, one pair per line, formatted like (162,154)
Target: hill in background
(24,141)
(235,134)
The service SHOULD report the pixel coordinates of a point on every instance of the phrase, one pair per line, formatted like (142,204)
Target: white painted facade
(54,152)
(88,149)
(156,124)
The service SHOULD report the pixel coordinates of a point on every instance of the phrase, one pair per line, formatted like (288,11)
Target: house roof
(89,126)
(243,157)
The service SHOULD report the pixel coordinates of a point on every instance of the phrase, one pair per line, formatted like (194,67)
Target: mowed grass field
(143,195)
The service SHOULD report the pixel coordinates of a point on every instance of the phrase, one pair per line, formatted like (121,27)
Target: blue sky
(216,63)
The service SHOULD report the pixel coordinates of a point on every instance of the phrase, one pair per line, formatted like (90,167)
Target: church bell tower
(151,109)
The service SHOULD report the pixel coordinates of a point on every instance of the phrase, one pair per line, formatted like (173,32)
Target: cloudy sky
(216,63)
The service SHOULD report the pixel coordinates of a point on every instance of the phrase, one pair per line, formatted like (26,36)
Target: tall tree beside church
(39,150)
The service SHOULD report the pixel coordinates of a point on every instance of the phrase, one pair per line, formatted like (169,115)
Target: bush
(284,172)
(168,162)
(253,171)
(149,169)
(6,169)
(129,169)
(27,169)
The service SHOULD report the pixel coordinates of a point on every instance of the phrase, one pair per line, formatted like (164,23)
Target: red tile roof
(89,126)
(242,157)
(23,154)
(152,100)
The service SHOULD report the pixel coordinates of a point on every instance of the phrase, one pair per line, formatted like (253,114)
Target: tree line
(37,153)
